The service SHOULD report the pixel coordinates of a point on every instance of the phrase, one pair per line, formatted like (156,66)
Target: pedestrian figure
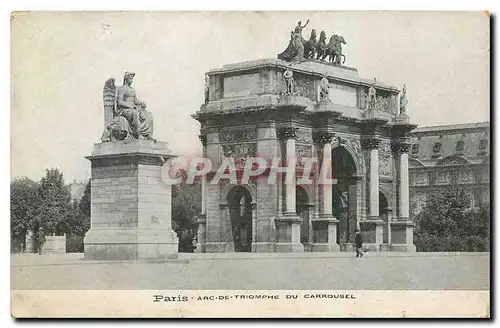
(358,241)
(41,240)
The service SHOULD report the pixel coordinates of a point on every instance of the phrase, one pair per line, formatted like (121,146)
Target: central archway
(239,201)
(344,199)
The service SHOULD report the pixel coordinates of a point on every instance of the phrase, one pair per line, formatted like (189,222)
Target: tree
(80,222)
(186,207)
(446,223)
(25,205)
(84,204)
(57,210)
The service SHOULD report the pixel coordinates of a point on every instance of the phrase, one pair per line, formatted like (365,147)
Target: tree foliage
(186,208)
(80,222)
(47,204)
(84,204)
(447,223)
(24,207)
(57,209)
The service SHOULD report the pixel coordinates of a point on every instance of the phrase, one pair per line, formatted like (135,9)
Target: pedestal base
(402,236)
(288,234)
(130,244)
(262,247)
(328,106)
(347,247)
(326,247)
(325,234)
(288,247)
(219,247)
(131,205)
(403,248)
(372,231)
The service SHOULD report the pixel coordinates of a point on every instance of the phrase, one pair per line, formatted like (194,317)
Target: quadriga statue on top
(125,116)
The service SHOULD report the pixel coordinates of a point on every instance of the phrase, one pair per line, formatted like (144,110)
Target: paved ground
(257,271)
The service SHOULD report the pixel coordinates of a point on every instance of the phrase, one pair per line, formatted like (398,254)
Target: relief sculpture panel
(304,136)
(385,165)
(238,135)
(301,152)
(239,152)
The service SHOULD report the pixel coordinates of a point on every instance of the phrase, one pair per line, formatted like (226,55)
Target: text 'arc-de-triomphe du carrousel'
(304,104)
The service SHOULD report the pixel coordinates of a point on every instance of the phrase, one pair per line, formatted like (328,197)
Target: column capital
(203,139)
(322,137)
(287,133)
(400,147)
(370,143)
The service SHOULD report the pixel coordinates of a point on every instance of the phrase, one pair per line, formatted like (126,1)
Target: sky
(59,62)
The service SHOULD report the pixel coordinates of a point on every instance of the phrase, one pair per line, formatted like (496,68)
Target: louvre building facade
(449,155)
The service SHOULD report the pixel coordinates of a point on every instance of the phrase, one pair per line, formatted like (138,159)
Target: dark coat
(41,236)
(358,240)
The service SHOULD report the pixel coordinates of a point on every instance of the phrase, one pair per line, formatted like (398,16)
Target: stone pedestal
(30,242)
(402,236)
(55,244)
(131,203)
(219,247)
(202,233)
(325,235)
(372,231)
(293,101)
(328,106)
(288,234)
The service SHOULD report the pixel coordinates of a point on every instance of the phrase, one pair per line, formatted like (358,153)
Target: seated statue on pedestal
(125,115)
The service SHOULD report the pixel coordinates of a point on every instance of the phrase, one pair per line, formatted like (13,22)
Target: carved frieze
(415,148)
(301,152)
(421,179)
(303,85)
(352,143)
(382,104)
(237,135)
(401,147)
(287,133)
(443,177)
(370,143)
(239,150)
(356,146)
(304,136)
(385,147)
(322,137)
(465,176)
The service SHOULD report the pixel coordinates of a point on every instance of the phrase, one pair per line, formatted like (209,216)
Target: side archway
(241,211)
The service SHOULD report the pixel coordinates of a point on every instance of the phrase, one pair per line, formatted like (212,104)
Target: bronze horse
(334,50)
(310,45)
(321,45)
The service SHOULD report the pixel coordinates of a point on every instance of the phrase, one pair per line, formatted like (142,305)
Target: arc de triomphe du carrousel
(305,104)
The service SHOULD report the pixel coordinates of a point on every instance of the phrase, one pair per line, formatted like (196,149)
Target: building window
(460,146)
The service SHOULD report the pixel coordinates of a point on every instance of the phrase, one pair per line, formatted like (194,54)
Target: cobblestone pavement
(191,271)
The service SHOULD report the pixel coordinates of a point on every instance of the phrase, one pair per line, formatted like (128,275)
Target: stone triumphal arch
(284,108)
